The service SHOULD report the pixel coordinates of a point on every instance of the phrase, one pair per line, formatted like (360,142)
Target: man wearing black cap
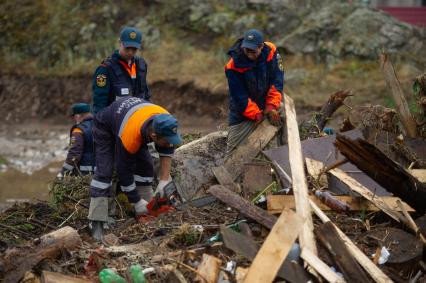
(80,158)
(121,133)
(123,74)
(255,79)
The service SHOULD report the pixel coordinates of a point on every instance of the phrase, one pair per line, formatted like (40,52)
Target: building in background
(409,11)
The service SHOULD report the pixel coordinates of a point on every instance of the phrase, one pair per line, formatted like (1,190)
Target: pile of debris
(255,216)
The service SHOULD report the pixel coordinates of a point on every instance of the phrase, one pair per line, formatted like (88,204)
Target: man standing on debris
(255,79)
(122,74)
(121,133)
(80,158)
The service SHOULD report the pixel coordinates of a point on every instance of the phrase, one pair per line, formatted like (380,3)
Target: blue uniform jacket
(253,84)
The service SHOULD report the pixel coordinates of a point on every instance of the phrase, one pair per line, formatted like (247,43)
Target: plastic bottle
(332,202)
(108,275)
(136,274)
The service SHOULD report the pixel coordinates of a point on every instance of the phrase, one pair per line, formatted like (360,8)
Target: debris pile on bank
(255,216)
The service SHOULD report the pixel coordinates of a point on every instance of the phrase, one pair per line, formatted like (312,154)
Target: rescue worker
(121,133)
(255,77)
(80,157)
(122,74)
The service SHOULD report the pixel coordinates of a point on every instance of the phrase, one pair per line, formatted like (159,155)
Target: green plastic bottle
(136,274)
(108,275)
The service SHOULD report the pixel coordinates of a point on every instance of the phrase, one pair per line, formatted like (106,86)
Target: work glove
(60,176)
(160,187)
(258,118)
(273,115)
(153,209)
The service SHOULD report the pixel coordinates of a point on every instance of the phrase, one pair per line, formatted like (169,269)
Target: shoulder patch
(101,80)
(280,62)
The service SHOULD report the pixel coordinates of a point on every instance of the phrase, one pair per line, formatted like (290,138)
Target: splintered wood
(300,187)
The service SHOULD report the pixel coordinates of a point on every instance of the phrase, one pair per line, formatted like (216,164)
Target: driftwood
(208,270)
(315,127)
(245,207)
(404,113)
(384,171)
(331,240)
(14,263)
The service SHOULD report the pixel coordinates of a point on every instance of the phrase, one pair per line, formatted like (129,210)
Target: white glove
(160,187)
(140,207)
(60,176)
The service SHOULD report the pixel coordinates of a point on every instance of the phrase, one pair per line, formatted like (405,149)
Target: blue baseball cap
(165,125)
(79,108)
(252,39)
(131,37)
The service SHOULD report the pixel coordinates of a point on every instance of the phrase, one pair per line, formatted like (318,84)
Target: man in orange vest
(121,133)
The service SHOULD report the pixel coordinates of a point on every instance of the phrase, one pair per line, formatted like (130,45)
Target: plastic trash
(137,274)
(108,275)
(384,256)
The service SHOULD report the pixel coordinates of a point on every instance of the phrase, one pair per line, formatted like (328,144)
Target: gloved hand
(160,187)
(273,115)
(154,208)
(258,118)
(60,176)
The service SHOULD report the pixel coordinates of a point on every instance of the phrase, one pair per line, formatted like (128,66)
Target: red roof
(412,15)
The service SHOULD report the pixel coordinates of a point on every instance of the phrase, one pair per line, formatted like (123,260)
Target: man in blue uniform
(122,74)
(255,79)
(80,157)
(121,133)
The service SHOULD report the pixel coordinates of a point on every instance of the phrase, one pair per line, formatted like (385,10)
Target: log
(375,272)
(242,205)
(402,108)
(208,270)
(321,267)
(250,148)
(54,277)
(384,171)
(16,262)
(276,203)
(335,101)
(300,187)
(275,248)
(331,240)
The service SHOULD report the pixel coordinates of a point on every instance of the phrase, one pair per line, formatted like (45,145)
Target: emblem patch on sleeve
(280,62)
(101,80)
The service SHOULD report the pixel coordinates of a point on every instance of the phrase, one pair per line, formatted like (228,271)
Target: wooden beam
(300,188)
(420,174)
(410,222)
(275,248)
(225,179)
(242,205)
(355,186)
(375,272)
(276,203)
(208,270)
(330,239)
(321,267)
(387,173)
(407,120)
(250,148)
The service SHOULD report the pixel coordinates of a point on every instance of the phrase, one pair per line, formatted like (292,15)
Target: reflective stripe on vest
(130,128)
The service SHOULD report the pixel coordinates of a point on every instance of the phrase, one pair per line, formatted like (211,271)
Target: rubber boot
(145,192)
(98,216)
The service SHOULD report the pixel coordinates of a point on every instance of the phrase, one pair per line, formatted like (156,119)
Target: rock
(342,30)
(219,22)
(192,163)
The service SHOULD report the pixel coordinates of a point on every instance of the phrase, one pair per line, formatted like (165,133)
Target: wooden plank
(54,277)
(276,203)
(250,148)
(331,241)
(366,193)
(245,207)
(420,174)
(225,179)
(315,169)
(384,171)
(321,267)
(257,176)
(300,188)
(247,247)
(410,222)
(208,270)
(275,248)
(375,272)
(240,274)
(407,120)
